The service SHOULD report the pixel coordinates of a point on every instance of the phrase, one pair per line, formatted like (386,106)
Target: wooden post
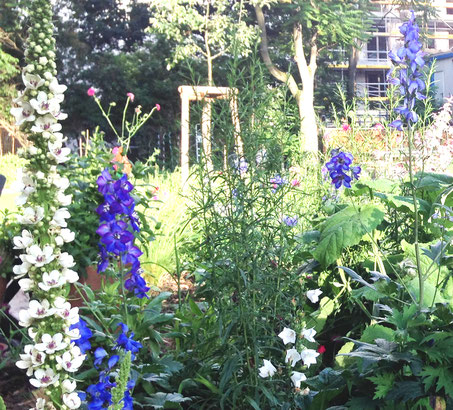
(206,94)
(185,128)
(237,125)
(206,133)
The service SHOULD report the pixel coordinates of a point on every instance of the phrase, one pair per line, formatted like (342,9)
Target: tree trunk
(308,125)
(352,70)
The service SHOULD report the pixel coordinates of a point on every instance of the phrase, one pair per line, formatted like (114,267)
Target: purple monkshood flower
(290,221)
(409,59)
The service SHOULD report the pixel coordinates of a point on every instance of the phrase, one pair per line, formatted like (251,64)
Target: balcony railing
(372,90)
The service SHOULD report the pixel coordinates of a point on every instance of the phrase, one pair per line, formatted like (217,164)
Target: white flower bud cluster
(45,270)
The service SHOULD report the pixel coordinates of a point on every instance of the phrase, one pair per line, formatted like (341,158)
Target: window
(377,46)
(375,83)
(449,6)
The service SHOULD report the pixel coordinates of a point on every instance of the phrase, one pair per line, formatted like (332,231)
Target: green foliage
(2,404)
(207,30)
(345,228)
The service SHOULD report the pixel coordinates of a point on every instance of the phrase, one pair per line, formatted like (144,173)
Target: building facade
(372,62)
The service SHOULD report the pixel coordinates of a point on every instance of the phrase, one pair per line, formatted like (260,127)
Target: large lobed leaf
(346,228)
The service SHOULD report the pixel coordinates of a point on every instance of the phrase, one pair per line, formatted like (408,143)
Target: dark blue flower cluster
(118,223)
(101,392)
(409,59)
(340,171)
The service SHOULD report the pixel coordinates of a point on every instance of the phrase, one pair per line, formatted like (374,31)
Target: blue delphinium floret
(118,222)
(340,171)
(409,60)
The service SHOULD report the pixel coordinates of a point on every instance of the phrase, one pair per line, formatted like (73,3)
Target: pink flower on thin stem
(346,127)
(158,107)
(131,96)
(91,91)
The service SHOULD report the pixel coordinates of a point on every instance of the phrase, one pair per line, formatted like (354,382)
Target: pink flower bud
(91,91)
(131,96)
(158,107)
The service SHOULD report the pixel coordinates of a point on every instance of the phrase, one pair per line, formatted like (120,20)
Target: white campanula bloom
(21,270)
(23,113)
(52,279)
(297,378)
(57,152)
(44,105)
(31,216)
(50,344)
(57,89)
(39,257)
(25,318)
(23,241)
(65,311)
(313,295)
(268,370)
(70,275)
(72,334)
(26,284)
(62,183)
(287,335)
(30,359)
(309,356)
(292,357)
(40,404)
(32,82)
(39,310)
(65,235)
(71,361)
(46,123)
(60,216)
(65,260)
(309,334)
(63,199)
(68,386)
(72,400)
(25,361)
(44,378)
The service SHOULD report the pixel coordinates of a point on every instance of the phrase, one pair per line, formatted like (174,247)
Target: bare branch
(286,78)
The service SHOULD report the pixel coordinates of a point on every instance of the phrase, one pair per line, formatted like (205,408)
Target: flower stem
(416,216)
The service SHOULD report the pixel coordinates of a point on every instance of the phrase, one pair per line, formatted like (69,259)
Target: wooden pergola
(206,94)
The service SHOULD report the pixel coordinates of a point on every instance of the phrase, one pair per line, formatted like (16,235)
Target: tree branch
(286,78)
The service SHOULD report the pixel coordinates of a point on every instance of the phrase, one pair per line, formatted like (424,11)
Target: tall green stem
(416,227)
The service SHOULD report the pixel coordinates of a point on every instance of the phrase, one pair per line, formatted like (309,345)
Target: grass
(169,210)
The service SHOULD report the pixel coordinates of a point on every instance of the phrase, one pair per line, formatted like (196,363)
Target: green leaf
(402,203)
(346,228)
(442,374)
(373,332)
(160,400)
(405,391)
(384,383)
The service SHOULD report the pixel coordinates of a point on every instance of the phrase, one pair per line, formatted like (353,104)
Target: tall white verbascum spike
(53,359)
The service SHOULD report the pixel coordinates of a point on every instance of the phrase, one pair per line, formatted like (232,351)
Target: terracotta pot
(92,279)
